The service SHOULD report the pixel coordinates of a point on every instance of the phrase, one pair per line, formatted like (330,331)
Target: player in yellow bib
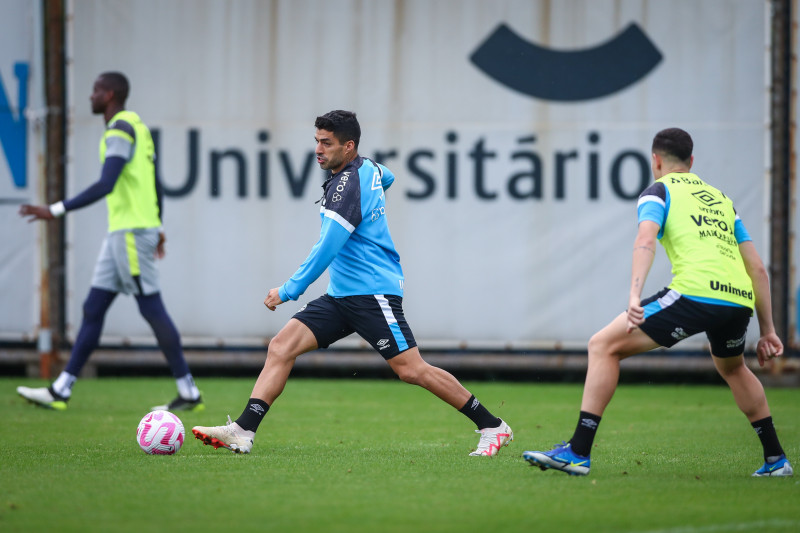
(719,279)
(135,239)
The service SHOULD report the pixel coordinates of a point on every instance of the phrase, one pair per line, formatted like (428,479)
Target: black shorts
(671,317)
(378,319)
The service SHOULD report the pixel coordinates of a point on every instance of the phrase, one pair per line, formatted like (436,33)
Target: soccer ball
(160,433)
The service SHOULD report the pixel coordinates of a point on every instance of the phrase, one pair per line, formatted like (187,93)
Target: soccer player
(127,261)
(365,294)
(718,280)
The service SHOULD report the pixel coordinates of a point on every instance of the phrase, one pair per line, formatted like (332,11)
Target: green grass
(382,456)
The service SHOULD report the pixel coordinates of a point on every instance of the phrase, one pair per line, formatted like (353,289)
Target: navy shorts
(671,317)
(378,319)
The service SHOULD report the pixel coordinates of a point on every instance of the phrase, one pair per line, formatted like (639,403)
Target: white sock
(186,388)
(63,384)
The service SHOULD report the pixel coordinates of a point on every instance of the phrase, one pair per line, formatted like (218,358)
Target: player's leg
(411,368)
(607,348)
(379,319)
(727,344)
(668,318)
(317,324)
(134,253)
(752,401)
(292,341)
(105,285)
(746,388)
(58,393)
(152,309)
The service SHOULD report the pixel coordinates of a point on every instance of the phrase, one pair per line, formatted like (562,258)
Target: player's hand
(35,212)
(769,346)
(160,250)
(273,299)
(635,313)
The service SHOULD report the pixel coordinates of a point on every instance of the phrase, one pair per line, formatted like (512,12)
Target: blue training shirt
(354,243)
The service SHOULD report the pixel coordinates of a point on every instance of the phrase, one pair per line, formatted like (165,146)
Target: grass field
(382,456)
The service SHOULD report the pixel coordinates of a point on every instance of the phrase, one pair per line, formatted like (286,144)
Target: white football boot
(230,436)
(492,439)
(43,397)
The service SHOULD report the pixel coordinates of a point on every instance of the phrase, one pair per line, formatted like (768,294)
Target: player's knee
(409,374)
(730,367)
(597,345)
(280,349)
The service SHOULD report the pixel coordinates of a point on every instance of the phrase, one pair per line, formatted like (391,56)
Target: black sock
(476,412)
(253,414)
(769,438)
(582,439)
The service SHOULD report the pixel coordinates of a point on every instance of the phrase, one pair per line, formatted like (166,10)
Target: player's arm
(162,238)
(119,148)
(769,345)
(332,237)
(108,178)
(652,214)
(644,251)
(387,178)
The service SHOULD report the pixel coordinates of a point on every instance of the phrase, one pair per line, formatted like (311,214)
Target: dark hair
(118,83)
(673,142)
(343,124)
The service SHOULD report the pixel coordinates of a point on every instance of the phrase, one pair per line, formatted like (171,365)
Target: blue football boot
(560,458)
(781,467)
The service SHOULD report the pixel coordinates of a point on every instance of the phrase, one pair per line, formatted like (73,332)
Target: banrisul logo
(13,124)
(567,76)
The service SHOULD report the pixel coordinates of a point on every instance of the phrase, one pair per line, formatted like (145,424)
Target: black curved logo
(567,76)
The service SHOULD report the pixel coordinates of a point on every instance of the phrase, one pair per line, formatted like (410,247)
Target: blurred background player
(127,261)
(365,294)
(718,280)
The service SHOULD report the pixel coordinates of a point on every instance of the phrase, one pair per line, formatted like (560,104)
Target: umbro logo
(588,423)
(257,409)
(376,181)
(383,343)
(706,198)
(679,334)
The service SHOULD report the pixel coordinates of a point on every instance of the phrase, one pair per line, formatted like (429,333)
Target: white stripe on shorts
(668,299)
(386,308)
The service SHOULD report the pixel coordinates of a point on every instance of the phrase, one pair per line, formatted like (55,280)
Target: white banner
(21,153)
(519,132)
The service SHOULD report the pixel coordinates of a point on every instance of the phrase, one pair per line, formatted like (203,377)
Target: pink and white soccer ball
(160,433)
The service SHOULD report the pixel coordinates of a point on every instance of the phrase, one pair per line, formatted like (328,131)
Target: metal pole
(51,334)
(780,120)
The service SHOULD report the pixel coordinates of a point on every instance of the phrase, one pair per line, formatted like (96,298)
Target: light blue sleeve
(331,239)
(387,178)
(652,210)
(654,206)
(740,232)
